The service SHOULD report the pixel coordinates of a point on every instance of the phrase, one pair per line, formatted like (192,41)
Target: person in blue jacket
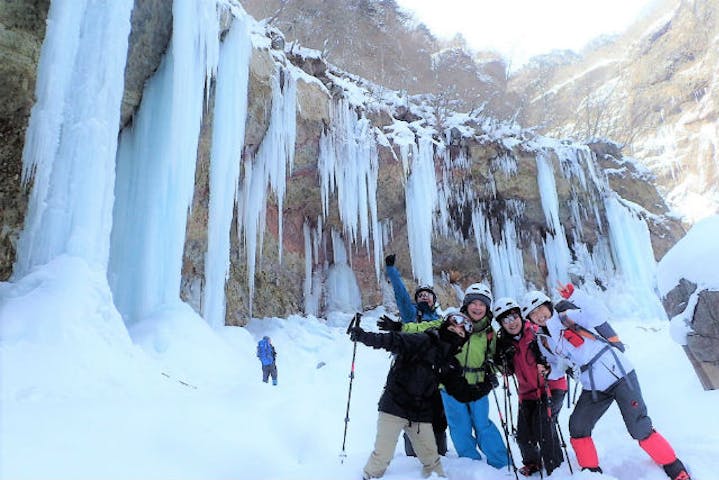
(268,356)
(423,309)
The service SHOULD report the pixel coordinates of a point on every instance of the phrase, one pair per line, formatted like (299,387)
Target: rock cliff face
(701,308)
(22,28)
(507,203)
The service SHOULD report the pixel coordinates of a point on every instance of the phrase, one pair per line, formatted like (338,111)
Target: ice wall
(71,140)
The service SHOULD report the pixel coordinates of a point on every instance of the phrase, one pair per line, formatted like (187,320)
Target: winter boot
(592,469)
(529,468)
(677,471)
(586,453)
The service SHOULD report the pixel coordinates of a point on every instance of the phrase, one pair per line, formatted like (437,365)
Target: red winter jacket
(524,363)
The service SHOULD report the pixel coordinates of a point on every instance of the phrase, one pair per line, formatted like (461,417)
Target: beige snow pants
(420,434)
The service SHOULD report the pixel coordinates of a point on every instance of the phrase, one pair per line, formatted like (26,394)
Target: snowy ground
(83,401)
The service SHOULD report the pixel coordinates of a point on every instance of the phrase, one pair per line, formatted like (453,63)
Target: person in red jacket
(518,354)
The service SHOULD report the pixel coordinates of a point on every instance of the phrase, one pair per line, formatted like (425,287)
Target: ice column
(312,284)
(343,292)
(556,250)
(71,140)
(632,250)
(156,167)
(228,134)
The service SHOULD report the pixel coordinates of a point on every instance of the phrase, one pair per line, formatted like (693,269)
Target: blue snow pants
(470,429)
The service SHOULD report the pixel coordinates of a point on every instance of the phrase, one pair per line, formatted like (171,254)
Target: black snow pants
(537,436)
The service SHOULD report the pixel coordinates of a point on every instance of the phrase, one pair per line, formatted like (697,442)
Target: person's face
(458,329)
(540,315)
(476,310)
(425,296)
(511,322)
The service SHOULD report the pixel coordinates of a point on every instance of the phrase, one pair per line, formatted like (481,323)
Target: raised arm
(407,309)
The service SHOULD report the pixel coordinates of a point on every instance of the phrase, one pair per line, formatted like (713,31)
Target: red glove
(566,291)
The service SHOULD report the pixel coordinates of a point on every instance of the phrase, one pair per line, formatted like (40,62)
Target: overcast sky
(520,29)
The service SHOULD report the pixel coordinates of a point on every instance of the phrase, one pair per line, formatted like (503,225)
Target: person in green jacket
(470,428)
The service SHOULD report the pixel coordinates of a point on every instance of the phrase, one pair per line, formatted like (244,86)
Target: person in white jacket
(576,329)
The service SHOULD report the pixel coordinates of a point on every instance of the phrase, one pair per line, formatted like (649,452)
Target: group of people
(445,368)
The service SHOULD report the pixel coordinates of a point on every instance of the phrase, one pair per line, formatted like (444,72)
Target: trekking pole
(539,422)
(574,395)
(353,323)
(511,414)
(555,421)
(568,384)
(508,398)
(564,446)
(510,456)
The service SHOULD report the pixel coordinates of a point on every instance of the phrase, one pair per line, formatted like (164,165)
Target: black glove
(492,379)
(355,333)
(573,372)
(507,354)
(386,324)
(389,260)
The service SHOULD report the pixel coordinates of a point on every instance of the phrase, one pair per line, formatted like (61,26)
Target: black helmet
(425,288)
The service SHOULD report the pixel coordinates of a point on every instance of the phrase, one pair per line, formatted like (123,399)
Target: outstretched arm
(394,342)
(415,327)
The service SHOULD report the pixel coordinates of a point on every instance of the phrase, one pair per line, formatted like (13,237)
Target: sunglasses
(462,321)
(510,317)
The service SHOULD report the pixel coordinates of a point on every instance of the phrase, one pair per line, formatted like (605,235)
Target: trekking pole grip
(355,322)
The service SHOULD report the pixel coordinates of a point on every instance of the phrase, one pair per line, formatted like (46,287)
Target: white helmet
(504,305)
(532,300)
(478,289)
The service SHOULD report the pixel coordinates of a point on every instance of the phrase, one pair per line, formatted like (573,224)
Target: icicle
(228,134)
(268,170)
(421,202)
(505,258)
(71,140)
(348,163)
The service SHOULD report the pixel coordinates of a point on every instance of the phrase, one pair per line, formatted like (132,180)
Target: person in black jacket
(422,361)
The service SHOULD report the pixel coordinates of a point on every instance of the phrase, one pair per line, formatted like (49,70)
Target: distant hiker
(518,354)
(469,424)
(576,330)
(268,356)
(423,309)
(422,361)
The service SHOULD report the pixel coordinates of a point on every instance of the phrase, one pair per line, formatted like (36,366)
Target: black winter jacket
(422,362)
